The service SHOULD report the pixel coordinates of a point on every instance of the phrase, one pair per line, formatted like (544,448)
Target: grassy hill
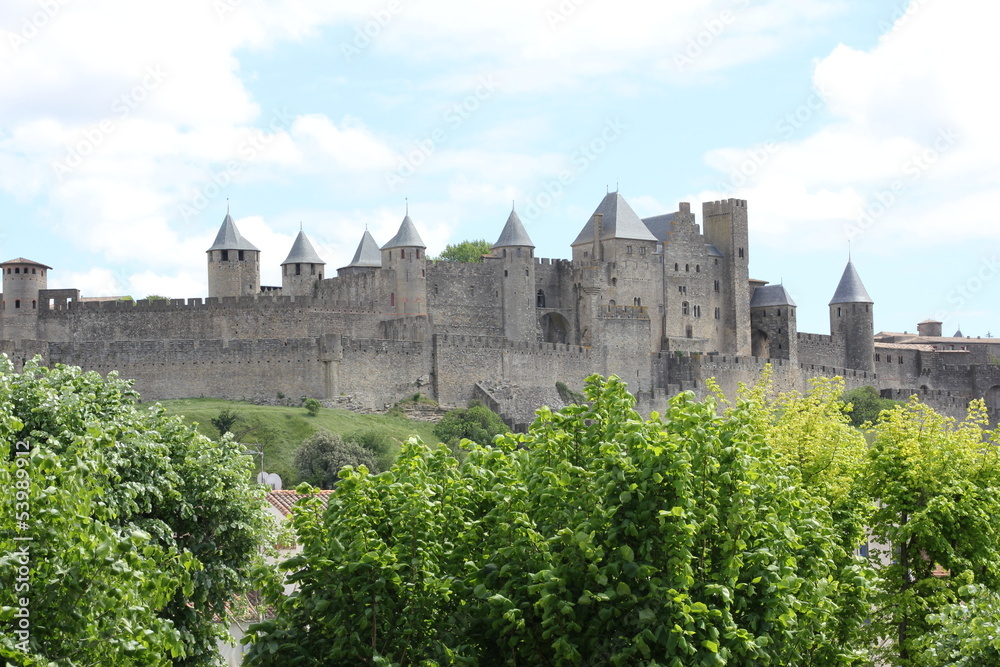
(282,429)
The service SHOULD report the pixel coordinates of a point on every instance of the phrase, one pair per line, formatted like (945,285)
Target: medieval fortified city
(661,302)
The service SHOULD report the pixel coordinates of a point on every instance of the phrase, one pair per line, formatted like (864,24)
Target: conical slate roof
(229,237)
(302,252)
(513,233)
(406,237)
(770,296)
(620,222)
(959,334)
(851,289)
(367,253)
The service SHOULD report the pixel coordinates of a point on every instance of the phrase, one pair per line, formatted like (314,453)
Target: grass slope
(282,429)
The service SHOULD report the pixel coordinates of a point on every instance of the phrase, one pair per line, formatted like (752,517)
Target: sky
(866,128)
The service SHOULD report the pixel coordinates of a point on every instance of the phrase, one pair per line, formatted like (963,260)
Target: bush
(866,404)
(323,454)
(312,406)
(477,423)
(383,446)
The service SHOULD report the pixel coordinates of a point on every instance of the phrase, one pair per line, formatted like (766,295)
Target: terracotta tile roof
(284,499)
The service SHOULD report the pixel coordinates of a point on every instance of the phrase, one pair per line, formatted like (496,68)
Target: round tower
(518,295)
(301,269)
(405,258)
(773,329)
(233,263)
(852,321)
(23,279)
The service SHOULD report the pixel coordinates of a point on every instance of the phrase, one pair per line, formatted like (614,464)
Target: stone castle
(660,302)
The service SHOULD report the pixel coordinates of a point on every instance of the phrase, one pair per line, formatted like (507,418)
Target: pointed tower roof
(851,289)
(620,222)
(302,252)
(367,253)
(770,296)
(959,334)
(513,233)
(406,237)
(229,237)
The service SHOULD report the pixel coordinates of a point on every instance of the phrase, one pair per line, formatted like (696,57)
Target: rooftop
(302,252)
(619,222)
(229,237)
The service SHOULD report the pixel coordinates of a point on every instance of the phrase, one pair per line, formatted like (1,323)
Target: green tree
(598,538)
(965,634)
(141,530)
(383,446)
(323,454)
(937,487)
(157,297)
(312,406)
(466,251)
(225,420)
(476,423)
(864,404)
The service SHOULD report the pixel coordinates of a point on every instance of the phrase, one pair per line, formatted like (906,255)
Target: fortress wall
(366,290)
(952,404)
(465,297)
(625,333)
(898,367)
(549,278)
(381,372)
(634,281)
(695,274)
(241,369)
(412,327)
(690,371)
(820,350)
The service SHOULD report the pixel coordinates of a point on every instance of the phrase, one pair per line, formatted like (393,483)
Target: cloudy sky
(125,126)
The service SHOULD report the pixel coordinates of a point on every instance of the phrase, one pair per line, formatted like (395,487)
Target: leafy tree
(312,406)
(466,251)
(141,530)
(225,420)
(866,405)
(323,454)
(964,634)
(937,484)
(156,297)
(476,423)
(596,539)
(383,446)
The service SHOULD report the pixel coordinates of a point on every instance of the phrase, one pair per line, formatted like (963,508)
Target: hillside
(281,429)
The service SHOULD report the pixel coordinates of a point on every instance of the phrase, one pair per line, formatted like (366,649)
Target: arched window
(540,299)
(677,267)
(392,299)
(687,267)
(697,268)
(402,254)
(32,272)
(636,301)
(614,282)
(685,308)
(17,303)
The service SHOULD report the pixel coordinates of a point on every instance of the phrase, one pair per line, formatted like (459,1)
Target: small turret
(852,320)
(774,332)
(302,268)
(366,258)
(233,263)
(516,253)
(404,255)
(23,279)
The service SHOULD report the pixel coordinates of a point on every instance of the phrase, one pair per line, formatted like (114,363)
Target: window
(676,267)
(878,357)
(402,254)
(687,267)
(540,299)
(34,304)
(779,315)
(716,285)
(392,299)
(718,314)
(505,273)
(839,312)
(418,253)
(628,249)
(505,253)
(697,268)
(240,255)
(636,301)
(224,255)
(689,331)
(642,250)
(298,269)
(518,252)
(685,308)
(585,254)
(17,270)
(741,253)
(32,272)
(435,289)
(614,282)
(17,303)
(900,357)
(697,311)
(612,302)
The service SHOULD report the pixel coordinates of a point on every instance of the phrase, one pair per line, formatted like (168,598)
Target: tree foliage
(598,538)
(476,423)
(225,420)
(323,454)
(140,531)
(864,404)
(466,251)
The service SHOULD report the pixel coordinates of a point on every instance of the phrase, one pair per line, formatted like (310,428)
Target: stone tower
(301,269)
(852,321)
(403,256)
(367,258)
(725,225)
(774,332)
(233,263)
(517,287)
(22,280)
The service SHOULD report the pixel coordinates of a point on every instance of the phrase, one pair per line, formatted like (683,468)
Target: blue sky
(125,127)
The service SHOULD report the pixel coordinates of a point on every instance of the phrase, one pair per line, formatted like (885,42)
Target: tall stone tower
(773,330)
(22,280)
(301,269)
(406,260)
(725,225)
(233,263)
(517,287)
(852,321)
